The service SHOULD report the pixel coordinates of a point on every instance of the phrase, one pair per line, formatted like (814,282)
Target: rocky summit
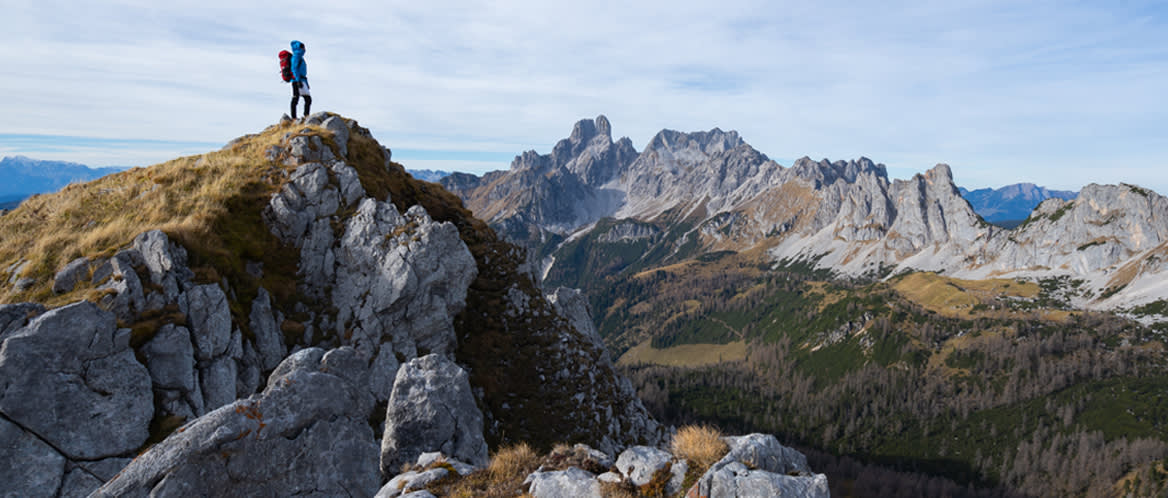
(296,315)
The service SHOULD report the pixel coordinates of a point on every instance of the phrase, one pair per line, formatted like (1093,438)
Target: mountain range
(24,176)
(704,192)
(1009,206)
(874,320)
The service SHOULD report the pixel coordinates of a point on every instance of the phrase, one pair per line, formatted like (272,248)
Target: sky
(1061,94)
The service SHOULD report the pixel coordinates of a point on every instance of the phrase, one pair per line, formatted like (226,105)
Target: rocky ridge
(692,193)
(409,329)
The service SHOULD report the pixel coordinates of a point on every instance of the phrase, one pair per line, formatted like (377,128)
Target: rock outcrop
(306,433)
(756,465)
(432,409)
(269,374)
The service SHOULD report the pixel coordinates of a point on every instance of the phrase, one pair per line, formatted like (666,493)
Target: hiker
(299,79)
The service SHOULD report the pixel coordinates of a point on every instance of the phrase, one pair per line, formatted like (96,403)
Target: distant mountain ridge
(688,194)
(428,175)
(1010,205)
(25,176)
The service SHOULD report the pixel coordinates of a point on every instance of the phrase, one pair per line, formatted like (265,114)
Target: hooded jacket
(299,67)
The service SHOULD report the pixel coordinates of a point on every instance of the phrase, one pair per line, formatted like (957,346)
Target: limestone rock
(570,483)
(304,434)
(15,316)
(73,272)
(170,358)
(572,305)
(402,278)
(432,409)
(340,130)
(269,341)
(638,463)
(32,468)
(72,379)
(757,463)
(210,319)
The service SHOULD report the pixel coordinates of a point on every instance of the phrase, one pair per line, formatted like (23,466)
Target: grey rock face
(170,357)
(15,316)
(32,467)
(72,379)
(570,483)
(128,298)
(73,272)
(572,304)
(269,341)
(432,409)
(638,463)
(304,434)
(757,463)
(400,277)
(340,130)
(210,317)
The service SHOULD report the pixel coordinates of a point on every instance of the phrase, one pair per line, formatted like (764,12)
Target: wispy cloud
(1051,92)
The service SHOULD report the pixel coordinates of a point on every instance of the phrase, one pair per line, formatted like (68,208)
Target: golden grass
(701,445)
(193,199)
(513,461)
(955,297)
(503,476)
(685,355)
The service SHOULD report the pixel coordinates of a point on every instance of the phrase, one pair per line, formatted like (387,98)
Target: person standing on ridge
(300,79)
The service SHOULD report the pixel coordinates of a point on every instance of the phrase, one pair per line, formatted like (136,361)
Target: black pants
(296,99)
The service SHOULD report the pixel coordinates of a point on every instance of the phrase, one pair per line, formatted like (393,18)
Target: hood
(297,47)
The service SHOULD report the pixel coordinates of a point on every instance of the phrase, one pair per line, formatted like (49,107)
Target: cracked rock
(432,409)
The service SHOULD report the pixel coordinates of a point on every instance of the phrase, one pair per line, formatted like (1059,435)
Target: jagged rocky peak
(706,142)
(825,172)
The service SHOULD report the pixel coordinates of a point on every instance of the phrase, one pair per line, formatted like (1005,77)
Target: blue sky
(1057,93)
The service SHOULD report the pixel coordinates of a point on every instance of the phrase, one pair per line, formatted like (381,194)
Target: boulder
(432,409)
(570,483)
(757,465)
(304,434)
(639,463)
(70,378)
(170,358)
(73,272)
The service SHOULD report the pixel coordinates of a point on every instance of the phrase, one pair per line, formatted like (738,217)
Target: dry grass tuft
(513,461)
(503,476)
(701,445)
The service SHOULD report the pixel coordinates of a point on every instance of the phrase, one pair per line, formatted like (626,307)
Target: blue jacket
(299,67)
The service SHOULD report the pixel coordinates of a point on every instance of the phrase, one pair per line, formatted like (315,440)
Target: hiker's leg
(307,105)
(295,97)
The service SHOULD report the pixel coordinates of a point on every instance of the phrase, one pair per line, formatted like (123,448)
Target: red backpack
(286,65)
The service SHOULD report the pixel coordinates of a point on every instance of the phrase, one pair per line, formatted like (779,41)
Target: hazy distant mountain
(24,176)
(1010,205)
(428,175)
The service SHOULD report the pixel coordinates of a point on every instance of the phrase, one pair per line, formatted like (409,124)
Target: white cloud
(1057,94)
